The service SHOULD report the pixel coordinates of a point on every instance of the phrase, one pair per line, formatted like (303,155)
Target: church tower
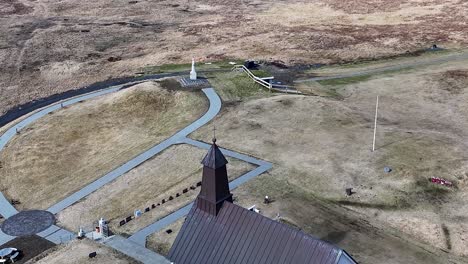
(215,184)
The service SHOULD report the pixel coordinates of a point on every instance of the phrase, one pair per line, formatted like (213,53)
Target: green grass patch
(168,68)
(384,61)
(261,73)
(236,86)
(364,77)
(345,81)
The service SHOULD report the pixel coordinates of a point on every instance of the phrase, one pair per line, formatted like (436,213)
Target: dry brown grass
(76,252)
(53,46)
(70,148)
(322,146)
(161,241)
(165,175)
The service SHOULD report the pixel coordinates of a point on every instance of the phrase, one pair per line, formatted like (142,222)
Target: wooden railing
(253,77)
(262,82)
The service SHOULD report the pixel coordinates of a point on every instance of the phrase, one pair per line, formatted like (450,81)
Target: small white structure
(193,73)
(137,213)
(81,233)
(254,208)
(102,224)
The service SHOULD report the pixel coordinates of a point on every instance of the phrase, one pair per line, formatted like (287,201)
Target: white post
(375,122)
(102,222)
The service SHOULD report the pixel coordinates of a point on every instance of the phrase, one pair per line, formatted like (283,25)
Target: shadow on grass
(400,204)
(335,237)
(395,142)
(448,240)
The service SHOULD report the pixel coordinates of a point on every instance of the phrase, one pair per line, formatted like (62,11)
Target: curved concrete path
(53,233)
(11,132)
(59,235)
(215,107)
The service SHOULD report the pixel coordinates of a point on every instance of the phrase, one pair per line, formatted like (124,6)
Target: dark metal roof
(237,235)
(214,158)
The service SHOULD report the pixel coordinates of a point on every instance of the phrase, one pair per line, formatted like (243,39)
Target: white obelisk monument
(193,73)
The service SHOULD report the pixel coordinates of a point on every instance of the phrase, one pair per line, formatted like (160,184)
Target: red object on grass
(441,181)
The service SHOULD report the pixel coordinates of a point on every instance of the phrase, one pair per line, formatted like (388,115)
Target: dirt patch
(171,84)
(69,148)
(29,246)
(324,14)
(454,81)
(14,7)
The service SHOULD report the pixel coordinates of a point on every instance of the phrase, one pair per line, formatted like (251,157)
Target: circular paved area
(28,223)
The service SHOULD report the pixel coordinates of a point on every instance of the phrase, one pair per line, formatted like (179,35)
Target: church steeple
(215,184)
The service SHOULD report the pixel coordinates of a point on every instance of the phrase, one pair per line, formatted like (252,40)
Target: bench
(12,258)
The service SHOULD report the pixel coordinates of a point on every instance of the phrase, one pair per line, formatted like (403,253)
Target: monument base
(198,83)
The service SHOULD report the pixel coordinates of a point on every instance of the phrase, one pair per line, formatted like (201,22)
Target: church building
(217,231)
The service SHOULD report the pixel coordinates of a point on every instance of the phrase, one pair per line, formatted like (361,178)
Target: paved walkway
(6,209)
(140,236)
(215,107)
(134,246)
(10,133)
(4,238)
(57,235)
(135,251)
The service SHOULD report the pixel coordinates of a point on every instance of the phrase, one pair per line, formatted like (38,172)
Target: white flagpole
(375,123)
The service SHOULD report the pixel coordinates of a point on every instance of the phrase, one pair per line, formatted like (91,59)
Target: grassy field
(69,148)
(77,252)
(162,241)
(363,65)
(320,146)
(54,46)
(163,176)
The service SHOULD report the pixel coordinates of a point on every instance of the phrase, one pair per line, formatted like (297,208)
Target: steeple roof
(215,183)
(214,159)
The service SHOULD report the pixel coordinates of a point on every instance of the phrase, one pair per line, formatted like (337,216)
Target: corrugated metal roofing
(237,235)
(214,158)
